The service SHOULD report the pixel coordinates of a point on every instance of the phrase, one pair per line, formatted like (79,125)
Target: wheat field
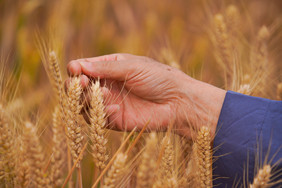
(44,139)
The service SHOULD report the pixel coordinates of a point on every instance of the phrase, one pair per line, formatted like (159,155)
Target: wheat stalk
(146,169)
(116,171)
(263,177)
(74,130)
(97,126)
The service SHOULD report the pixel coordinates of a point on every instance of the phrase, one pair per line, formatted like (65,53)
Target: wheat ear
(116,171)
(58,151)
(166,165)
(7,150)
(165,171)
(56,79)
(202,155)
(223,46)
(146,169)
(232,21)
(263,177)
(34,156)
(74,130)
(97,127)
(260,60)
(23,174)
(245,89)
(56,74)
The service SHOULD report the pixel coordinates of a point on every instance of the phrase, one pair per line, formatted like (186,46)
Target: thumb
(116,70)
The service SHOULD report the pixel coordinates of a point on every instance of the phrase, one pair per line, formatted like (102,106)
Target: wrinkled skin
(138,89)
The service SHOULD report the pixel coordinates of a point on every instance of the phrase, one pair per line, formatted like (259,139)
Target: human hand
(139,89)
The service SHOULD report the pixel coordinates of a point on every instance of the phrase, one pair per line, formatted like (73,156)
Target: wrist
(201,105)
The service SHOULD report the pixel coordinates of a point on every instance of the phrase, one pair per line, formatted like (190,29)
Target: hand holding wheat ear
(138,89)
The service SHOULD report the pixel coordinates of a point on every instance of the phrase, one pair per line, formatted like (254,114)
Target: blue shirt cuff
(245,122)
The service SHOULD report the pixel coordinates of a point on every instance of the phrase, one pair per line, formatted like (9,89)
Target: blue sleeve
(245,124)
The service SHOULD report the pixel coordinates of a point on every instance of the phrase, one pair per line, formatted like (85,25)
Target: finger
(117,70)
(84,81)
(112,114)
(106,95)
(109,57)
(74,68)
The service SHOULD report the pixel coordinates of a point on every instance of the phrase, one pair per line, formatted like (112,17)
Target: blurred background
(153,28)
(174,32)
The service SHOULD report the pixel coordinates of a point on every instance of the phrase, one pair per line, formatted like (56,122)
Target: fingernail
(74,68)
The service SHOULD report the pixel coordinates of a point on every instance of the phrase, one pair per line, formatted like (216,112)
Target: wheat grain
(259,61)
(23,174)
(245,89)
(74,133)
(116,171)
(232,22)
(223,46)
(146,169)
(263,177)
(34,156)
(56,74)
(97,126)
(7,150)
(203,157)
(166,169)
(166,165)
